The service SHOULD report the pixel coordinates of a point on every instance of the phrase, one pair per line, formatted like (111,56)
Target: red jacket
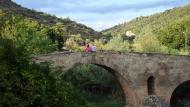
(88,49)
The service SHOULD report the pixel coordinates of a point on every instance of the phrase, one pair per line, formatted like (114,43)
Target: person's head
(87,45)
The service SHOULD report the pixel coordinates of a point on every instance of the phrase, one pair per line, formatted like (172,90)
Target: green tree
(26,84)
(73,43)
(147,42)
(27,33)
(117,44)
(176,35)
(97,84)
(57,33)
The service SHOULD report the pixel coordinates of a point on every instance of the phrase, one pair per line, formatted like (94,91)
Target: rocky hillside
(154,22)
(72,27)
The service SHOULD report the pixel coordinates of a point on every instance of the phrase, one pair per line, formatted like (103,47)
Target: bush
(26,84)
(73,42)
(176,35)
(27,33)
(148,42)
(117,44)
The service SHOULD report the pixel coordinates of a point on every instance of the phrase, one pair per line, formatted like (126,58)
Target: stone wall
(132,70)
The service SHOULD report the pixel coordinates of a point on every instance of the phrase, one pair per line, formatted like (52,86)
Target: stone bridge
(139,74)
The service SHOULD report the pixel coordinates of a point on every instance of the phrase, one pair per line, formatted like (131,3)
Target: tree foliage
(117,44)
(57,34)
(74,42)
(26,84)
(147,42)
(176,35)
(27,33)
(97,84)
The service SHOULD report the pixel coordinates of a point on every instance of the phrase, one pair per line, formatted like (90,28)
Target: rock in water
(153,101)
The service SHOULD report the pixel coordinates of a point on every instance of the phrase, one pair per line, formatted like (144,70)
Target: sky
(101,14)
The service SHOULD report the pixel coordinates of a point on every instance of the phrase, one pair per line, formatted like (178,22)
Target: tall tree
(176,35)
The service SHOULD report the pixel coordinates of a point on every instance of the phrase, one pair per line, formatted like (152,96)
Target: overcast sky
(101,14)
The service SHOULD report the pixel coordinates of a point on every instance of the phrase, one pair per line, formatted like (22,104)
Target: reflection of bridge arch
(133,70)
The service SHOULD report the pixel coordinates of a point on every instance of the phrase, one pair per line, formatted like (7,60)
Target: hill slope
(153,22)
(71,26)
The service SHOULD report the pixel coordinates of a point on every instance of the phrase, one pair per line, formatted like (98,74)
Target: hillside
(154,22)
(72,27)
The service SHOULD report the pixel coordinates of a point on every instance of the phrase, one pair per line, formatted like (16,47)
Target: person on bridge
(93,48)
(88,48)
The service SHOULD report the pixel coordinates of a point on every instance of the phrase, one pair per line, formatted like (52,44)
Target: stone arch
(151,85)
(180,94)
(131,99)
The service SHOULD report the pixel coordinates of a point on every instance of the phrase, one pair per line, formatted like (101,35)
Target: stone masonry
(132,70)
